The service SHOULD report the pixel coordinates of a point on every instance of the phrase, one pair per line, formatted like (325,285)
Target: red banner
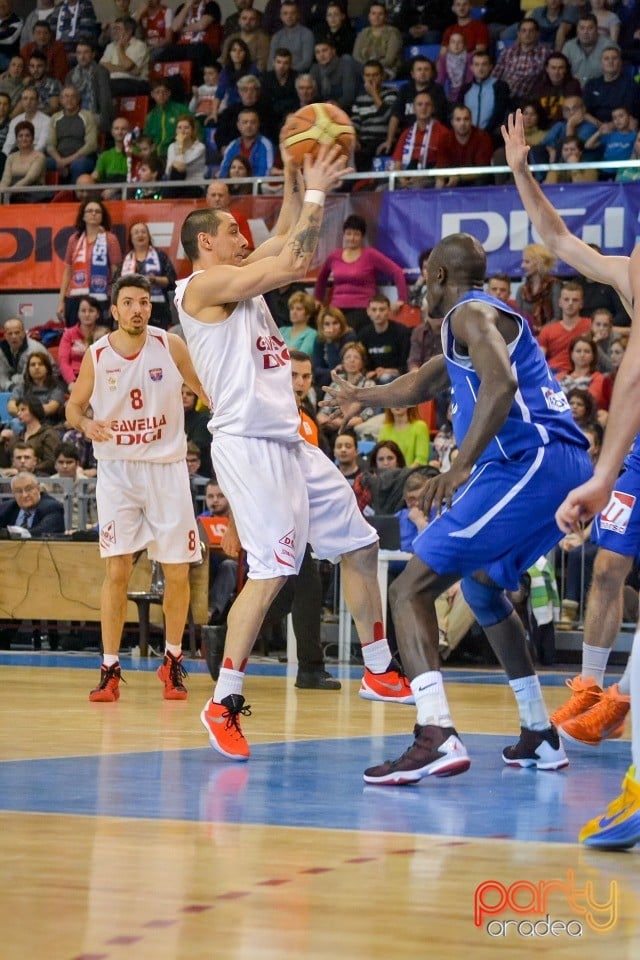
(33,237)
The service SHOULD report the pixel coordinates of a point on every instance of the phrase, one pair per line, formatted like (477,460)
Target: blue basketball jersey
(632,461)
(540,413)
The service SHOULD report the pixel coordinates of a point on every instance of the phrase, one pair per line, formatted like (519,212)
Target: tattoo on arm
(304,240)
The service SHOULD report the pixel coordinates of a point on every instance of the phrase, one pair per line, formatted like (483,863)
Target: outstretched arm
(406,391)
(288,216)
(622,425)
(222,283)
(550,225)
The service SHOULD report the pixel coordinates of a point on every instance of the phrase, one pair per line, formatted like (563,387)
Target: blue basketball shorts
(617,528)
(502,520)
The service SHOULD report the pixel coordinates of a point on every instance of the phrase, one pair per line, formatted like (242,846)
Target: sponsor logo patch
(616,514)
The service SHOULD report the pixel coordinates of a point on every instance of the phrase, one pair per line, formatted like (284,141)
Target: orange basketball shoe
(222,723)
(603,721)
(108,690)
(171,672)
(584,694)
(391,686)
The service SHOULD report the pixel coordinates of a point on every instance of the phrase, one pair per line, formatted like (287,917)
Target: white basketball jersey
(243,364)
(140,398)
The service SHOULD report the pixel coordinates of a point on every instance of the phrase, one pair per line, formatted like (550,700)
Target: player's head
(456,265)
(131,303)
(212,236)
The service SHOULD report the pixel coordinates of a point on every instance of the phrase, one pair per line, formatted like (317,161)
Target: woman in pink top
(355,270)
(76,340)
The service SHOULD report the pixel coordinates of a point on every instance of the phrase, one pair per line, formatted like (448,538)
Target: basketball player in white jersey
(132,380)
(283,492)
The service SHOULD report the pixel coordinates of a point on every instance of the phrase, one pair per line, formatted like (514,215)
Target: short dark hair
(33,405)
(198,221)
(129,280)
(68,450)
(299,356)
(25,125)
(355,222)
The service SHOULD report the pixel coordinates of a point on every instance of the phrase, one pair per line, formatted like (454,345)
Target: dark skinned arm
(406,391)
(476,327)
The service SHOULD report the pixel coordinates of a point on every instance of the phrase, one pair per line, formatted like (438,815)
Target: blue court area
(318,784)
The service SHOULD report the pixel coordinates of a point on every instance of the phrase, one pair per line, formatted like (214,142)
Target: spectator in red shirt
(420,146)
(475,32)
(555,339)
(45,42)
(465,146)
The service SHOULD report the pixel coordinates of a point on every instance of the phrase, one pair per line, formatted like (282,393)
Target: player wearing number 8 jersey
(132,380)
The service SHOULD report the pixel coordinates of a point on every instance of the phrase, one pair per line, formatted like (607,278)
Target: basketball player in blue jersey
(591,714)
(493,512)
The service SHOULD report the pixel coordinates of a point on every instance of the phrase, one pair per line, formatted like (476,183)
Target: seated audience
(293,36)
(91,80)
(353,368)
(584,375)
(196,429)
(299,334)
(15,349)
(556,85)
(333,334)
(43,438)
(25,167)
(44,43)
(454,66)
(555,338)
(73,138)
(405,426)
(572,151)
(345,454)
(41,382)
(379,41)
(37,512)
(127,60)
(76,340)
(386,341)
(113,165)
(223,570)
(370,115)
(338,78)
(421,146)
(186,159)
(538,295)
(250,144)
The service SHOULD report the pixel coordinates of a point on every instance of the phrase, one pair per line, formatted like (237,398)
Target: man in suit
(37,512)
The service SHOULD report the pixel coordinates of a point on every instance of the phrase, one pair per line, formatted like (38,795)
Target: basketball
(319,123)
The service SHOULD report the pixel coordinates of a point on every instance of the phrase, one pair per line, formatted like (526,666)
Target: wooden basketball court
(125,837)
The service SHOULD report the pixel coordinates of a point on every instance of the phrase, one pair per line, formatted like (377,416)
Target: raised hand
(516,147)
(326,169)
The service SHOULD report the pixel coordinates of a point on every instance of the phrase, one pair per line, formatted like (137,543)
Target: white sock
(528,694)
(634,673)
(109,659)
(377,655)
(175,651)
(594,662)
(229,681)
(624,683)
(431,700)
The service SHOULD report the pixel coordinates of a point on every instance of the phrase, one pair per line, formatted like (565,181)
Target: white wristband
(314,196)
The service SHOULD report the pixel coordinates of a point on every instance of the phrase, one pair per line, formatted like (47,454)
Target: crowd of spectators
(427,85)
(569,67)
